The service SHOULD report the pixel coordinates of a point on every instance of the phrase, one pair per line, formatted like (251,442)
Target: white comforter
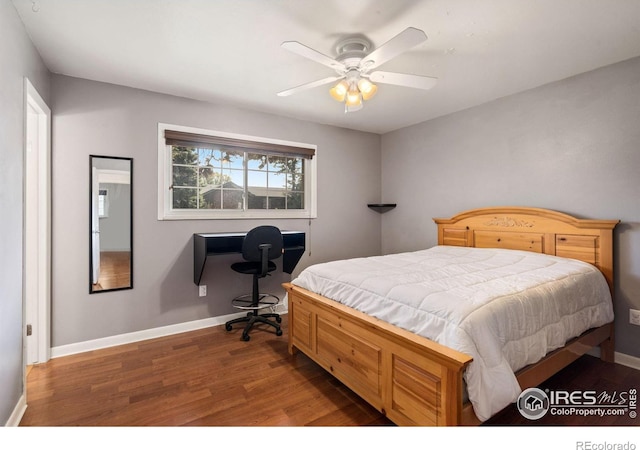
(505,308)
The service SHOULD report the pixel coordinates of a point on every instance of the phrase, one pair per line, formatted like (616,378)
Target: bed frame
(416,381)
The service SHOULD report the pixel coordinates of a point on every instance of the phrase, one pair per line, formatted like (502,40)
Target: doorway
(37,228)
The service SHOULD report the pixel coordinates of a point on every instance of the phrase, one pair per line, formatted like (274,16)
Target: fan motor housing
(351,51)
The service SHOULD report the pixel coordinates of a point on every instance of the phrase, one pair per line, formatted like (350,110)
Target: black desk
(207,244)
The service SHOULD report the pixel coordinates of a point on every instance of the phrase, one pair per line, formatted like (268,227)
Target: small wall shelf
(381,207)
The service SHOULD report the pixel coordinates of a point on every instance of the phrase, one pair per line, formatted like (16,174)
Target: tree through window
(212,173)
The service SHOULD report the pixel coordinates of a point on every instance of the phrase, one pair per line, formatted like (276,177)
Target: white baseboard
(618,358)
(627,360)
(18,412)
(128,338)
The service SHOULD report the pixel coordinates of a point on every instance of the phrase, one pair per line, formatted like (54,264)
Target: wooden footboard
(410,379)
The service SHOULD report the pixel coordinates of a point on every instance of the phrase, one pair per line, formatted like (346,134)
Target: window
(206,174)
(103,203)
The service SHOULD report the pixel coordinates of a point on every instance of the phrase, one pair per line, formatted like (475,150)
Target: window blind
(180,138)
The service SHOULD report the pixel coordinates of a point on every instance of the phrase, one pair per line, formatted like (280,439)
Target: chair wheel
(278,332)
(227,327)
(279,320)
(246,337)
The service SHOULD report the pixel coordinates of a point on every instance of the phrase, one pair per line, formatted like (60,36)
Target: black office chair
(260,247)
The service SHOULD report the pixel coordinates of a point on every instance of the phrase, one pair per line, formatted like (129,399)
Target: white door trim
(41,279)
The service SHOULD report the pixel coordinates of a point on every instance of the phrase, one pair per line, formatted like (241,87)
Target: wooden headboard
(533,229)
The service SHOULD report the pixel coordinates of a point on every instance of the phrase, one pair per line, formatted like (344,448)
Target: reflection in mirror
(111,249)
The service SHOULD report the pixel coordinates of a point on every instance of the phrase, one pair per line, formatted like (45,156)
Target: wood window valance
(181,138)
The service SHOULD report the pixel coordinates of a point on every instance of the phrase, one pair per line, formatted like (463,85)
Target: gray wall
(103,119)
(18,59)
(572,146)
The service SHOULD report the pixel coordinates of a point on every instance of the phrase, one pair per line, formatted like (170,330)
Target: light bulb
(353,98)
(339,91)
(367,88)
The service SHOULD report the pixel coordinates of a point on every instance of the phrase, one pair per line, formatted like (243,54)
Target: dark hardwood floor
(205,377)
(211,377)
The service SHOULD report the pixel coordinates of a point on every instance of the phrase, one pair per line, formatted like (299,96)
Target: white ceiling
(228,51)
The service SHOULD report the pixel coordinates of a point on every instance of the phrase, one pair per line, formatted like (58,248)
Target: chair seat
(250,267)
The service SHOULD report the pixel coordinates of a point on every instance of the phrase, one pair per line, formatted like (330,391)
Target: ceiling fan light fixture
(353,97)
(367,88)
(353,101)
(339,91)
(354,64)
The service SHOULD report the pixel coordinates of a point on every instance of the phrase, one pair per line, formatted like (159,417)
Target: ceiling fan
(354,65)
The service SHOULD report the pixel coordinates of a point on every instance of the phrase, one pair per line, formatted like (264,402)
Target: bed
(384,355)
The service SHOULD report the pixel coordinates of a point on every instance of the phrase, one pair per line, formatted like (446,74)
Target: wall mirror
(111,224)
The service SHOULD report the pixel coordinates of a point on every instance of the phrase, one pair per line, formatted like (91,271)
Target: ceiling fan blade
(403,79)
(306,86)
(309,53)
(402,42)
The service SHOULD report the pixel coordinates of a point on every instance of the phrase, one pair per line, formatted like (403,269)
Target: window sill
(199,215)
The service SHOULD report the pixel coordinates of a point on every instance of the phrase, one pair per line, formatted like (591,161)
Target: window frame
(166,212)
(103,203)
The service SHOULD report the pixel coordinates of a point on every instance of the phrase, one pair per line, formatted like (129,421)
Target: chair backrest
(265,234)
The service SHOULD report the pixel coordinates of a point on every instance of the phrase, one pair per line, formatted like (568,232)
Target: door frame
(39,282)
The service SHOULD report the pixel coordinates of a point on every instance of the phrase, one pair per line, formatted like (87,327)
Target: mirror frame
(91,218)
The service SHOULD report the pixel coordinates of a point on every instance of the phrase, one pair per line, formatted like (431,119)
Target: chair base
(245,302)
